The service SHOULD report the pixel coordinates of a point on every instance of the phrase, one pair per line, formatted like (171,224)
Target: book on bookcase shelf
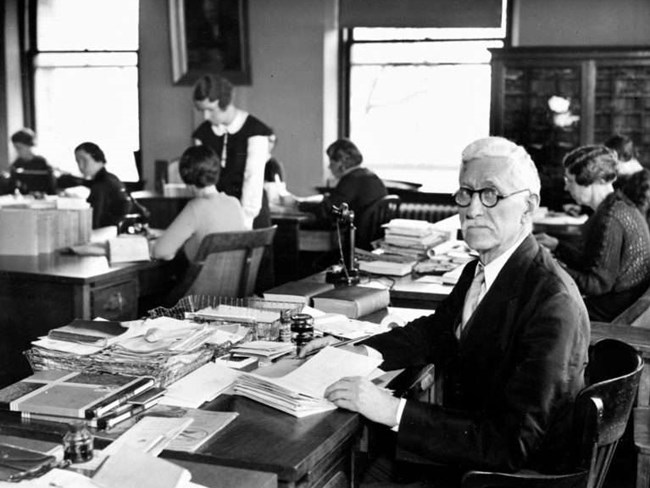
(72,394)
(299,291)
(352,301)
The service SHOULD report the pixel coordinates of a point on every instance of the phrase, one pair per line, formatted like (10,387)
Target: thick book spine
(120,397)
(372,302)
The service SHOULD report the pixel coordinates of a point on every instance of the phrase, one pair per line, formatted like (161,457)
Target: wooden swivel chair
(369,223)
(227,263)
(602,411)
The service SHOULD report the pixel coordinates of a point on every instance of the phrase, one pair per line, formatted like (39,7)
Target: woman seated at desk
(612,267)
(356,185)
(108,196)
(209,212)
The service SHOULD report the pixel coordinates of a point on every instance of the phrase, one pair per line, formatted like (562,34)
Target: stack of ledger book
(411,238)
(301,392)
(101,399)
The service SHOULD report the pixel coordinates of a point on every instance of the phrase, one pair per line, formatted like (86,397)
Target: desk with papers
(38,293)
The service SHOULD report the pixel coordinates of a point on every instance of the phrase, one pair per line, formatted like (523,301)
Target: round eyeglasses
(489,197)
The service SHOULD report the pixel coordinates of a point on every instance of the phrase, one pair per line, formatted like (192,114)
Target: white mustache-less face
(491,231)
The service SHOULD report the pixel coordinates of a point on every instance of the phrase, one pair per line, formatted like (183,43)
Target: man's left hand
(361,395)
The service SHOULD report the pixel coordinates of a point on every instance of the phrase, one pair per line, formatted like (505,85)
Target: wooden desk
(313,451)
(224,477)
(38,293)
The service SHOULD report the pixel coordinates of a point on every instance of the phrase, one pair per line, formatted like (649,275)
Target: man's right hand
(317,344)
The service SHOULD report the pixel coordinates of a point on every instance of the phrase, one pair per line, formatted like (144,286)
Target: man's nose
(475,207)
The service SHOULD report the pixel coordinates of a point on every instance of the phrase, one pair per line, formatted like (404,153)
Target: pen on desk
(339,344)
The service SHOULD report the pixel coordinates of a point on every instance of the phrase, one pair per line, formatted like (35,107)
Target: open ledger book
(300,392)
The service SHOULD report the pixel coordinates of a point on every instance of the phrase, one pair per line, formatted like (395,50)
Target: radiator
(431,212)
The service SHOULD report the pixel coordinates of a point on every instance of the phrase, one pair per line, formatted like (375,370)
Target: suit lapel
(496,309)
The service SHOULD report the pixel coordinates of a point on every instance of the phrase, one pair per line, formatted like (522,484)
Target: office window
(86,81)
(417,97)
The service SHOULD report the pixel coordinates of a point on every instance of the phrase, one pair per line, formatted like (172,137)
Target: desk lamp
(347,273)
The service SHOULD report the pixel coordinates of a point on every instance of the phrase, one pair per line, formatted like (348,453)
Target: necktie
(472,298)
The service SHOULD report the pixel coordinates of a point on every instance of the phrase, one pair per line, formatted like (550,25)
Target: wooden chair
(369,224)
(227,263)
(602,411)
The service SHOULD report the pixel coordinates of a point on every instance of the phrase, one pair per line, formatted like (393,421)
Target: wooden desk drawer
(118,301)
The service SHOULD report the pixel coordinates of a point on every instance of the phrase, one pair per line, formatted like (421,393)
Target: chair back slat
(227,263)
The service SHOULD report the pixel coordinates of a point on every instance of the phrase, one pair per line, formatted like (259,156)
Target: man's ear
(532,203)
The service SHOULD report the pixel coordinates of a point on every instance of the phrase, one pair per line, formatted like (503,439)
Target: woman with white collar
(242,143)
(209,212)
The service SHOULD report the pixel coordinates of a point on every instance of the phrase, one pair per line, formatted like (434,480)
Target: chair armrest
(484,479)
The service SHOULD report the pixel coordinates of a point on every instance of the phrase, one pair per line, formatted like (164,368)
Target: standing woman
(242,143)
(108,196)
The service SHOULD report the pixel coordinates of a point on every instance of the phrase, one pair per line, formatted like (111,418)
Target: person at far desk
(208,212)
(242,143)
(108,196)
(356,185)
(612,266)
(24,141)
(511,339)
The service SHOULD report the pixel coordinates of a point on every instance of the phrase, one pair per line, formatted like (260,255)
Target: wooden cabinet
(608,90)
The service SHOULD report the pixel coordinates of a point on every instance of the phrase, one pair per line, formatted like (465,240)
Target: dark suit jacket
(510,382)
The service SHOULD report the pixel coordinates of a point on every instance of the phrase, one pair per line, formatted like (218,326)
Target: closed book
(96,332)
(300,291)
(71,394)
(352,301)
(388,268)
(47,448)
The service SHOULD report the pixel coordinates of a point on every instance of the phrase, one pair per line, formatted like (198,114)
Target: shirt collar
(493,268)
(234,126)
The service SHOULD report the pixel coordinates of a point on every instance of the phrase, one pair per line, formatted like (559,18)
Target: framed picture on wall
(209,36)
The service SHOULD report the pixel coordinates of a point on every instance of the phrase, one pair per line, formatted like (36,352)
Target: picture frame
(209,37)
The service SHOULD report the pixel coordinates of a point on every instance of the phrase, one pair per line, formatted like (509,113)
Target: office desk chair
(369,223)
(227,263)
(602,412)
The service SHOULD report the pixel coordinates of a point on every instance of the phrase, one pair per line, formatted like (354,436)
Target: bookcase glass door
(527,117)
(622,105)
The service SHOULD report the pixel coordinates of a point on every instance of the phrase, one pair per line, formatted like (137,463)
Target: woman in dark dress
(108,196)
(612,267)
(242,143)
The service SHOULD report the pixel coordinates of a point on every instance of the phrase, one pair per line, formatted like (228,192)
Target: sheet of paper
(201,385)
(65,346)
(150,435)
(329,365)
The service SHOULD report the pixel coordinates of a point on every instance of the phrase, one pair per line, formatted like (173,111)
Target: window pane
(95,25)
(412,122)
(423,52)
(97,104)
(392,34)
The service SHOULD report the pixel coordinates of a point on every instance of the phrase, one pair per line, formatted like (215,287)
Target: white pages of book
(301,392)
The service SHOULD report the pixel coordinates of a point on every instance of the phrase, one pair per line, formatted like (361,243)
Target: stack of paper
(341,326)
(264,349)
(301,392)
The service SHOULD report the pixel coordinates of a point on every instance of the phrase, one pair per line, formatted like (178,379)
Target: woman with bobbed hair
(108,196)
(209,212)
(612,266)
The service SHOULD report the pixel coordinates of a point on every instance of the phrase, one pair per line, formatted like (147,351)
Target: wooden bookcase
(609,89)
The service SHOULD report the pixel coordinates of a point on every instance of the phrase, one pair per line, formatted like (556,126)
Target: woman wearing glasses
(612,266)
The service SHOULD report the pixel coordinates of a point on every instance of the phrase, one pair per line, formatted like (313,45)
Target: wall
(581,22)
(11,107)
(290,45)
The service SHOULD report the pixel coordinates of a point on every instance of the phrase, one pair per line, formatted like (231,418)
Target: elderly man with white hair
(511,339)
